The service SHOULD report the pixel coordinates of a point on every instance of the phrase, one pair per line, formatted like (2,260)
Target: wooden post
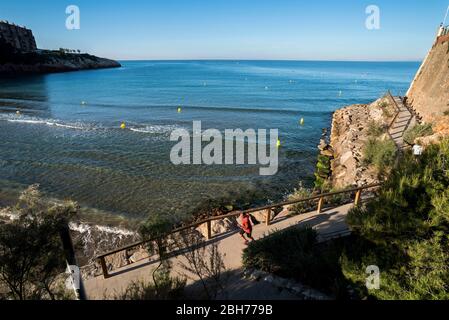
(209,230)
(320,205)
(268,217)
(357,197)
(104,267)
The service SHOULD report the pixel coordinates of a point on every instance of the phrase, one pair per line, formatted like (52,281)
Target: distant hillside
(46,61)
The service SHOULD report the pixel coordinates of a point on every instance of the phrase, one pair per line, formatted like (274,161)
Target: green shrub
(375,129)
(408,225)
(386,110)
(302,207)
(323,170)
(403,230)
(418,131)
(380,153)
(168,289)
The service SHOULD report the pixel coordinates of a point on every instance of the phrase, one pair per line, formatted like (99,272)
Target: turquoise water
(77,150)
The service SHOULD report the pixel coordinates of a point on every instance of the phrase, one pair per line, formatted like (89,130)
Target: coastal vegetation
(168,288)
(154,230)
(203,264)
(380,152)
(376,129)
(403,231)
(407,225)
(418,131)
(31,255)
(322,173)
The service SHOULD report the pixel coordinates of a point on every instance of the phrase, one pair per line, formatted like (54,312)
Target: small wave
(86,228)
(26,121)
(155,129)
(135,127)
(64,125)
(48,123)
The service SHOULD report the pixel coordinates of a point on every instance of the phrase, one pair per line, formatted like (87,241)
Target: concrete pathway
(401,124)
(330,223)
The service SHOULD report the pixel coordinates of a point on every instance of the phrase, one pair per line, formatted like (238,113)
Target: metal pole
(445,17)
(70,257)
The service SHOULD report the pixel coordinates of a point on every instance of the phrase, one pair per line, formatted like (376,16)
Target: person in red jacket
(246,227)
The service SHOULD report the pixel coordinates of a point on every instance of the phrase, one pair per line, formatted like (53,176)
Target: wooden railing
(390,127)
(268,218)
(398,109)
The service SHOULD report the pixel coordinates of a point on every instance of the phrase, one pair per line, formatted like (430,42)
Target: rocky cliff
(13,61)
(50,62)
(429,91)
(350,131)
(428,96)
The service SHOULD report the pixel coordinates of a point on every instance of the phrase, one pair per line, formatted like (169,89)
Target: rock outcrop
(350,132)
(53,61)
(22,57)
(429,91)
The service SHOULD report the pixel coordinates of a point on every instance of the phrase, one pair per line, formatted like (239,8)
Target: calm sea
(68,137)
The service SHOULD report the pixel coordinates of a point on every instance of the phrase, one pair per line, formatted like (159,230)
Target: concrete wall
(20,38)
(429,92)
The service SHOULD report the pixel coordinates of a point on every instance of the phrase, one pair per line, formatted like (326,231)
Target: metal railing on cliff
(357,192)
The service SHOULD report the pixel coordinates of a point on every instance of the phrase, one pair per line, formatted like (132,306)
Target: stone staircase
(401,124)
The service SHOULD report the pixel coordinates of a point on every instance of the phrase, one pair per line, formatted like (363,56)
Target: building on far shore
(20,38)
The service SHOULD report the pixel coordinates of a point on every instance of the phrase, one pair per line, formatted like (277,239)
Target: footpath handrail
(267,208)
(397,113)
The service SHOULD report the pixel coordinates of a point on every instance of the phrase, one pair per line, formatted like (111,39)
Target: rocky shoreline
(349,134)
(53,62)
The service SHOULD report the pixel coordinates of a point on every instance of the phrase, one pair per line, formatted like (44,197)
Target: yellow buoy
(301,122)
(123,125)
(179,110)
(278,144)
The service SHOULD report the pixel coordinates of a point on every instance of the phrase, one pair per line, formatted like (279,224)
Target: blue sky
(234,29)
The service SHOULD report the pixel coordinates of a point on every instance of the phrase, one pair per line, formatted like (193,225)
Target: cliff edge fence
(19,55)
